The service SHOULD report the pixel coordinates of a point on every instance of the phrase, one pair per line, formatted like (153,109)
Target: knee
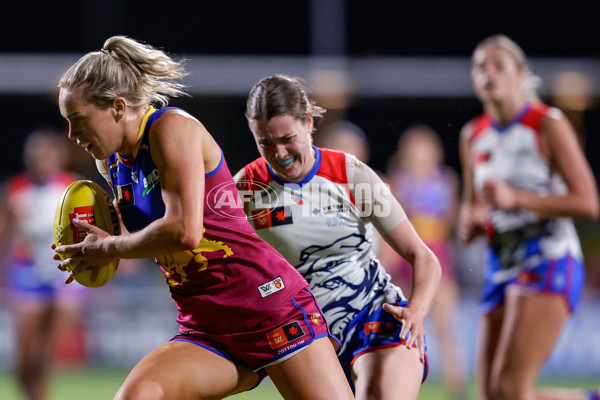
(507,387)
(142,390)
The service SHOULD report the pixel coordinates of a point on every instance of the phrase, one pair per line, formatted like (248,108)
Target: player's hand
(412,322)
(472,220)
(89,254)
(500,194)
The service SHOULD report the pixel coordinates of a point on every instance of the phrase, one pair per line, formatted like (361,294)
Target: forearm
(569,205)
(159,238)
(427,274)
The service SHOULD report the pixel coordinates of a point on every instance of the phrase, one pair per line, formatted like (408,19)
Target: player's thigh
(183,370)
(312,374)
(390,373)
(532,324)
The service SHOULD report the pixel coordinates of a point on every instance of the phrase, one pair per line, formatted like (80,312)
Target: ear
(119,107)
(310,122)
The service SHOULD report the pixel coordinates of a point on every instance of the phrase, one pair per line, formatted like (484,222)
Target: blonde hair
(531,82)
(138,72)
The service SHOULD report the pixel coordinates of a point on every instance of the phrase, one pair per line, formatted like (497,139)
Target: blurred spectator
(45,309)
(428,191)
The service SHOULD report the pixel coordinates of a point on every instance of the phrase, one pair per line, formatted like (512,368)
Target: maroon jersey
(233,277)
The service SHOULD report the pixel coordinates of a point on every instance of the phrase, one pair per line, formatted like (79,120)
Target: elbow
(593,210)
(186,238)
(189,240)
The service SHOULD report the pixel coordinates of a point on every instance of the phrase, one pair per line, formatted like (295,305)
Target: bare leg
(313,374)
(453,364)
(39,328)
(182,371)
(487,343)
(392,373)
(532,324)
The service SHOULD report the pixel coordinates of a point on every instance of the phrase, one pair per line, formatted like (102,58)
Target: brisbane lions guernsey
(233,277)
(317,227)
(512,154)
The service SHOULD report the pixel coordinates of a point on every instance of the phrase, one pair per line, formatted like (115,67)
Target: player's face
(92,128)
(495,74)
(285,143)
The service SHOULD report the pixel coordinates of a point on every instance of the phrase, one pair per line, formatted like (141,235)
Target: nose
(72,135)
(281,152)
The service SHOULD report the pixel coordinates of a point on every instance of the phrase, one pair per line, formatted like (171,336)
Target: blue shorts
(378,330)
(281,335)
(564,276)
(26,286)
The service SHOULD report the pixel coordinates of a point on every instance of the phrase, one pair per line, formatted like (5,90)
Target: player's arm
(7,223)
(559,142)
(381,208)
(177,150)
(472,212)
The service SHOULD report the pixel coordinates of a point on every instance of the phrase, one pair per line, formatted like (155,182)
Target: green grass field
(101,384)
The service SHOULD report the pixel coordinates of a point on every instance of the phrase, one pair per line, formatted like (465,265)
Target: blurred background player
(525,177)
(345,136)
(45,309)
(428,191)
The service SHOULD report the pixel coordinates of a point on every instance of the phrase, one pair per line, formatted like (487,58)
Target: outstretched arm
(387,215)
(176,143)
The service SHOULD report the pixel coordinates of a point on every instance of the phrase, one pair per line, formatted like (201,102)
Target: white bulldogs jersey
(33,206)
(316,226)
(512,154)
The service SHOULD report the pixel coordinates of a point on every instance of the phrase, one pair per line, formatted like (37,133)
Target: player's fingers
(405,331)
(67,248)
(94,274)
(421,347)
(394,310)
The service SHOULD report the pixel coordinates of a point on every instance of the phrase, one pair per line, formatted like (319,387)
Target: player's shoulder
(475,127)
(333,165)
(539,113)
(254,172)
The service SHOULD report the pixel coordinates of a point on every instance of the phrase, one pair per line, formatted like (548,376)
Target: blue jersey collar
(313,171)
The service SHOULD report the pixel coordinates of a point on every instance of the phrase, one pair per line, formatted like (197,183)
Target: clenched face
(286,145)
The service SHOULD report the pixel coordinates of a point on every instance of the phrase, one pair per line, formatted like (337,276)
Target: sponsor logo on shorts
(267,289)
(284,335)
(316,318)
(380,327)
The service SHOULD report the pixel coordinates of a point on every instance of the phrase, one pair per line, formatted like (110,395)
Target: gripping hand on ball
(90,254)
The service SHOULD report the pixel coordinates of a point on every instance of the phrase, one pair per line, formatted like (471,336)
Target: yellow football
(88,202)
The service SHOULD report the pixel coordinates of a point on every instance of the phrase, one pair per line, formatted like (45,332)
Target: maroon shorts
(282,334)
